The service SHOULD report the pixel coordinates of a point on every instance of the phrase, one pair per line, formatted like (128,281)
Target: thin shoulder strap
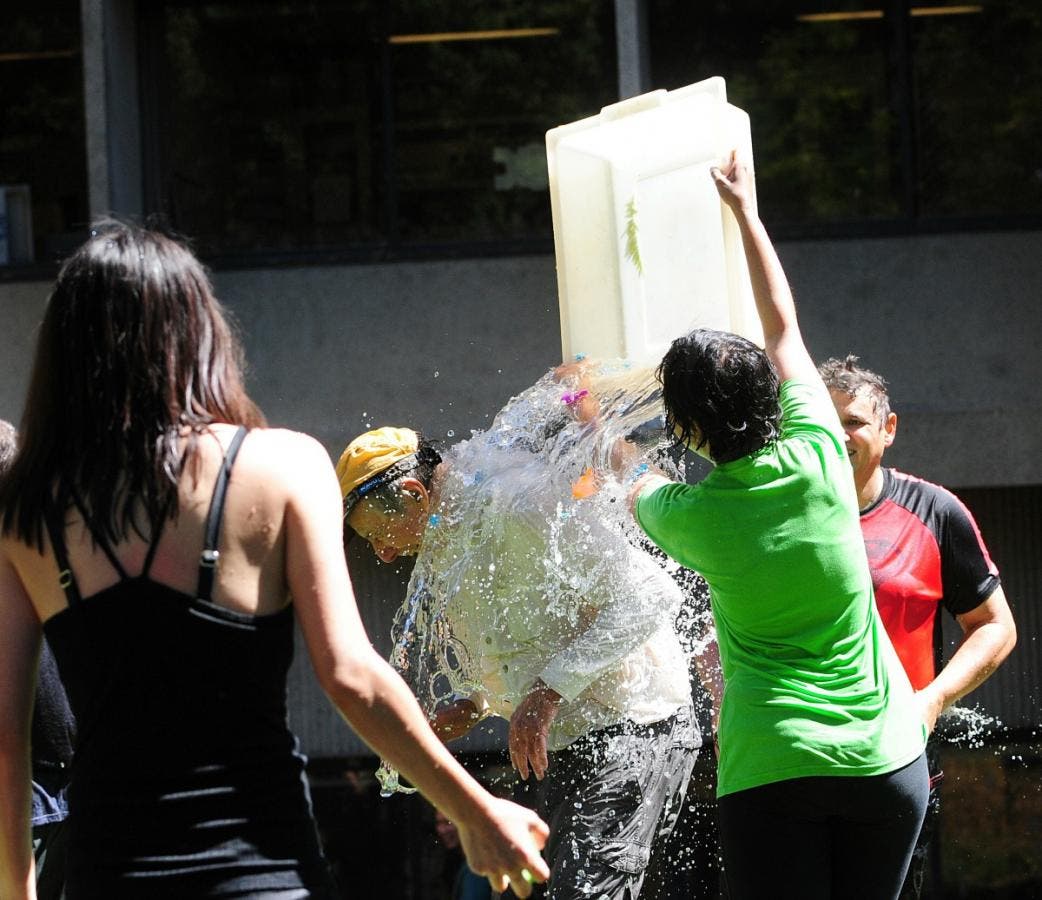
(65,577)
(99,539)
(210,555)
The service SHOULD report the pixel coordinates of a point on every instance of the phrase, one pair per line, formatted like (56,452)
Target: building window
(977,81)
(43,169)
(894,113)
(322,126)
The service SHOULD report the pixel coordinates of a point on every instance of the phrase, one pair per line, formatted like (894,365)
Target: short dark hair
(847,377)
(133,350)
(725,388)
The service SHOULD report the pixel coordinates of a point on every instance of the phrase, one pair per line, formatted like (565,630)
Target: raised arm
(500,839)
(774,304)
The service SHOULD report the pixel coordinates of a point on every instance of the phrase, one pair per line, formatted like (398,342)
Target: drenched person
(822,780)
(157,531)
(540,609)
(925,552)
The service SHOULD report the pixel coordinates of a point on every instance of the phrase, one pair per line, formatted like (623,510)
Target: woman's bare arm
(500,838)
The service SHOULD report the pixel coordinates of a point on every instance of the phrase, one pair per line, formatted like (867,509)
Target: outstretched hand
(734,183)
(507,853)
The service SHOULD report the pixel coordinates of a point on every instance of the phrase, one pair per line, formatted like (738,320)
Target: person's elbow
(352,681)
(1010,631)
(1006,624)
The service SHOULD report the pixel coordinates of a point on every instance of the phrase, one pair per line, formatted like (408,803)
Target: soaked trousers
(823,838)
(609,798)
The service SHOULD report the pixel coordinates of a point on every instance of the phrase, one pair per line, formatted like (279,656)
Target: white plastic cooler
(646,250)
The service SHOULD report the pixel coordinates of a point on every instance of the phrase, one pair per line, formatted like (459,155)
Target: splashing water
(966,727)
(388,780)
(517,561)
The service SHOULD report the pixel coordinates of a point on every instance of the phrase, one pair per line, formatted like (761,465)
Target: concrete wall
(952,321)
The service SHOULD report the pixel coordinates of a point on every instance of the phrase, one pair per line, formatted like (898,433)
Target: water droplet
(436,373)
(450,433)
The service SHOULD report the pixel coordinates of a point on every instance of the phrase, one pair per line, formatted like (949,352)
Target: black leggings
(837,837)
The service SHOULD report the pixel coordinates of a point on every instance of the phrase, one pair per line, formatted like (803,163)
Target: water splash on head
(526,528)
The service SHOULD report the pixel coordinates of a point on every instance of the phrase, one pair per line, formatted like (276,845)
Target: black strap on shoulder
(99,539)
(210,555)
(65,577)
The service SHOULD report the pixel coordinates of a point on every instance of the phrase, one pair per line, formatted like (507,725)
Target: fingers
(521,884)
(538,759)
(541,832)
(499,883)
(531,868)
(522,881)
(519,762)
(528,751)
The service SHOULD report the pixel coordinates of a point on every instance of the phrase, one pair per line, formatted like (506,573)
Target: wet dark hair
(847,377)
(723,386)
(134,350)
(389,496)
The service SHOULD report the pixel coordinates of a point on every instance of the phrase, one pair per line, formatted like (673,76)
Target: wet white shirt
(529,583)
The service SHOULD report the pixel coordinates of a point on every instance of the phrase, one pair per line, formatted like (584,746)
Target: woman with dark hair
(157,531)
(822,782)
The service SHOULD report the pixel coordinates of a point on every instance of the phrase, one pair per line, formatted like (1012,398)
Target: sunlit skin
(393,534)
(867,438)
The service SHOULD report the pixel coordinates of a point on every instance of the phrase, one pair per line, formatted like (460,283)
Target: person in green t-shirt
(822,780)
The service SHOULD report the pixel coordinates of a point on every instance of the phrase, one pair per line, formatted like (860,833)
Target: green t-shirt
(812,683)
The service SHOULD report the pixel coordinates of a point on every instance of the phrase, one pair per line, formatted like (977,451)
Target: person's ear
(416,489)
(889,429)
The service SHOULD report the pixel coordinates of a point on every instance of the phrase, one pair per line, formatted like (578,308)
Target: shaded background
(367,181)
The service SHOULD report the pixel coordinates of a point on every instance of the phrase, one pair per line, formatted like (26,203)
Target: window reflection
(862,115)
(43,169)
(978,99)
(818,93)
(312,125)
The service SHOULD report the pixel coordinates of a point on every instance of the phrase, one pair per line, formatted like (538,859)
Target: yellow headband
(368,457)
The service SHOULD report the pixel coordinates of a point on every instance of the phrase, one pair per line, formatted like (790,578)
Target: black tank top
(186,780)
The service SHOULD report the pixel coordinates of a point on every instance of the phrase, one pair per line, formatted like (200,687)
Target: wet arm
(711,676)
(629,618)
(455,719)
(19,648)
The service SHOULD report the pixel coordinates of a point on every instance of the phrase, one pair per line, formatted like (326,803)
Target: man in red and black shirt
(925,552)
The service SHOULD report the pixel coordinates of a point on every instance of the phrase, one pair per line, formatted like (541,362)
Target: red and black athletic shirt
(924,550)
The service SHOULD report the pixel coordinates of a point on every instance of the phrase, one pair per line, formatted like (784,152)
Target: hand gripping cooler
(645,248)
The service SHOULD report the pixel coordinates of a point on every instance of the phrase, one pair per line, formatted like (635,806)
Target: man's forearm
(981,652)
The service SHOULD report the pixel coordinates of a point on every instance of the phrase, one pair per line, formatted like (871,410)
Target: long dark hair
(134,349)
(725,388)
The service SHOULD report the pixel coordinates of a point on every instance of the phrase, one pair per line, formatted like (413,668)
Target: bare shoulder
(290,458)
(285,445)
